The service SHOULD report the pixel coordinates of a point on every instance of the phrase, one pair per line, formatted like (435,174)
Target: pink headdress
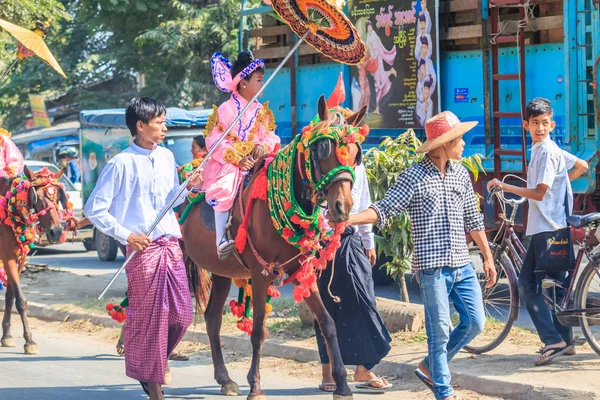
(221,72)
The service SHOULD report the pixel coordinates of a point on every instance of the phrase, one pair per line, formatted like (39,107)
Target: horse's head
(331,149)
(45,193)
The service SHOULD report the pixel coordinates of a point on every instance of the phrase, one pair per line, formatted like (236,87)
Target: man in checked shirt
(439,198)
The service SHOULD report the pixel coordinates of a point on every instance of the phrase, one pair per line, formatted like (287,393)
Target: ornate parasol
(325,27)
(31,42)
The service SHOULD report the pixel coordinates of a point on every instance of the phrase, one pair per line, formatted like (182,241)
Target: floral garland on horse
(307,232)
(17,212)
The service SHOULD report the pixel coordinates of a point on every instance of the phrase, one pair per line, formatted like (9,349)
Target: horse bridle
(55,193)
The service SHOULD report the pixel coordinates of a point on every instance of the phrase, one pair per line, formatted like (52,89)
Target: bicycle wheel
(587,296)
(501,302)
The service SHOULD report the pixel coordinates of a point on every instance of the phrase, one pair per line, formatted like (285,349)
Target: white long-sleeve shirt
(131,192)
(362,201)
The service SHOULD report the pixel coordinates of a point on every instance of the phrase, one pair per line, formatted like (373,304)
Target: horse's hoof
(257,397)
(340,397)
(231,389)
(31,349)
(8,342)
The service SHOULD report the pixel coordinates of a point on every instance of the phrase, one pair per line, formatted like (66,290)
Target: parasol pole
(7,70)
(199,167)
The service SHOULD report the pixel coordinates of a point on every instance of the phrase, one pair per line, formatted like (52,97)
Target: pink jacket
(221,174)
(11,159)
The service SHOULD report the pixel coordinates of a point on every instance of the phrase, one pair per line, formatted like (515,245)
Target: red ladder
(497,26)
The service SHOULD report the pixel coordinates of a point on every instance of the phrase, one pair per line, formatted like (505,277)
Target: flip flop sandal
(328,387)
(424,378)
(369,384)
(178,357)
(555,352)
(571,352)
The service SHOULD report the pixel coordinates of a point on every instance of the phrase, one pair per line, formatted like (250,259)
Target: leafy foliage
(184,45)
(108,47)
(383,165)
(25,13)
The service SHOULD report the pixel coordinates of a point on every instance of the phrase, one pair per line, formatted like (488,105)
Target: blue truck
(494,56)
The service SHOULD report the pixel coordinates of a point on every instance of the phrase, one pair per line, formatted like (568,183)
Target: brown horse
(42,197)
(200,248)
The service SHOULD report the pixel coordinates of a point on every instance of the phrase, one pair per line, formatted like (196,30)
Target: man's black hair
(200,141)
(142,109)
(538,106)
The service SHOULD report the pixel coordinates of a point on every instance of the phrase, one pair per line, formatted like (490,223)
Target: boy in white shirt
(547,189)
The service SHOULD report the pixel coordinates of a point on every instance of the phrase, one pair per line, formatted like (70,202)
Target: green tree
(107,44)
(181,47)
(95,47)
(25,13)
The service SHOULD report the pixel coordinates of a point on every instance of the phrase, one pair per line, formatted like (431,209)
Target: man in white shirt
(130,193)
(363,338)
(548,188)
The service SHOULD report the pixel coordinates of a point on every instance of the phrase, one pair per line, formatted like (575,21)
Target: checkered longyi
(160,309)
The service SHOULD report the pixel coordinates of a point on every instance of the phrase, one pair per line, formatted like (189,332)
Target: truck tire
(89,244)
(106,247)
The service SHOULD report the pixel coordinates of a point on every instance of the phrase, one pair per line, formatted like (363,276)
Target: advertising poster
(38,109)
(398,80)
(98,146)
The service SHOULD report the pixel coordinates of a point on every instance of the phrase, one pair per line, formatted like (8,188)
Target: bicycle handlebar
(500,193)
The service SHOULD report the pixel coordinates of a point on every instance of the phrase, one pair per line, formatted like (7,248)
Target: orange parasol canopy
(32,41)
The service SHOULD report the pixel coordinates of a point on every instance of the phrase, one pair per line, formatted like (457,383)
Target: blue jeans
(544,318)
(438,286)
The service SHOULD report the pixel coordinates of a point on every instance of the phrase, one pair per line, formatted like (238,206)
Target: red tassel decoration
(116,312)
(240,239)
(259,189)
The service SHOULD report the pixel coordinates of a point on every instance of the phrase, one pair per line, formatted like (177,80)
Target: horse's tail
(200,283)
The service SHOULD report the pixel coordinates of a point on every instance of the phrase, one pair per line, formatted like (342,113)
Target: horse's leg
(259,302)
(328,330)
(7,339)
(214,317)
(21,303)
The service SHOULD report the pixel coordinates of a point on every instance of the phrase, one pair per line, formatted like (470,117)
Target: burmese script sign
(398,79)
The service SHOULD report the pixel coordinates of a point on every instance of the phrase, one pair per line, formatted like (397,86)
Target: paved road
(80,366)
(74,258)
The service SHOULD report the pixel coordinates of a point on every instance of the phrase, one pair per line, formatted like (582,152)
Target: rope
(524,23)
(336,299)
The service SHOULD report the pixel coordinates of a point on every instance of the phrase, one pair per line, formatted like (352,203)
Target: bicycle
(580,307)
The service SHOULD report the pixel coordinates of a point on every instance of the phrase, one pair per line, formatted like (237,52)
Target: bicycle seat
(580,221)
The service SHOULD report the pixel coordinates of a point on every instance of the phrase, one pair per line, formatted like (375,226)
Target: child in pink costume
(11,159)
(251,138)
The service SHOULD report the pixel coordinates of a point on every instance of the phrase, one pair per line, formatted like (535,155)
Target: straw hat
(443,128)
